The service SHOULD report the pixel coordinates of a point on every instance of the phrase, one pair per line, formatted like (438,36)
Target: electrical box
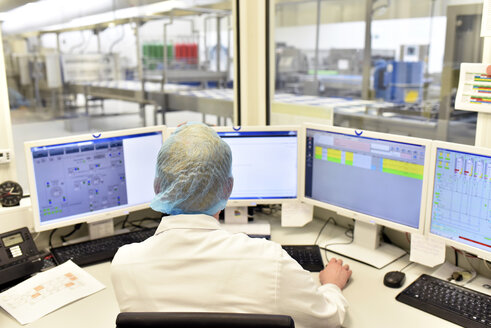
(5,156)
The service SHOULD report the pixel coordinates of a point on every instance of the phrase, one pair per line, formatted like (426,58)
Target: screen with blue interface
(264,164)
(380,178)
(85,177)
(462,198)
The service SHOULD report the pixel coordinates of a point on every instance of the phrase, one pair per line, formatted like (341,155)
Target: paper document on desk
(48,291)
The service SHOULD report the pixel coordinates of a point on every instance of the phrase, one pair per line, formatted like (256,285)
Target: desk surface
(371,303)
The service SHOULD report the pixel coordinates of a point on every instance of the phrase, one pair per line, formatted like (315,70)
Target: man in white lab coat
(192,265)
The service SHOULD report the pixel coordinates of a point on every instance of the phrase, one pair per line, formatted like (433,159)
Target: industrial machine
(398,81)
(291,64)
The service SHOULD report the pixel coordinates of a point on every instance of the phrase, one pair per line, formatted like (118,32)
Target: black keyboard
(448,301)
(98,250)
(308,256)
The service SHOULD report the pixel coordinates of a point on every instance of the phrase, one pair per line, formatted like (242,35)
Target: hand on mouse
(335,273)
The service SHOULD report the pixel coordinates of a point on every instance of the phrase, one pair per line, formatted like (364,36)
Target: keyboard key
(308,256)
(454,303)
(98,250)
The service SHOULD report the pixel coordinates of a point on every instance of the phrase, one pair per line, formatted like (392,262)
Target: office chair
(202,320)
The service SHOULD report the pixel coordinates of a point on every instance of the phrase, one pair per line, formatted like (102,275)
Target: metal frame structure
(157,90)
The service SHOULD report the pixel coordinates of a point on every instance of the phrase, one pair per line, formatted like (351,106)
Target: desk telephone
(19,256)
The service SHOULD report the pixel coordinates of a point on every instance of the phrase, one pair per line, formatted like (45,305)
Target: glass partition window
(388,66)
(151,64)
(123,61)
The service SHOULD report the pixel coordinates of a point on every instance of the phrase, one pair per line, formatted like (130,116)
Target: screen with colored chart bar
(462,198)
(376,177)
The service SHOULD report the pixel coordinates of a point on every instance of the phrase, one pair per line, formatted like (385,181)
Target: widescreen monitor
(264,163)
(460,197)
(91,177)
(372,177)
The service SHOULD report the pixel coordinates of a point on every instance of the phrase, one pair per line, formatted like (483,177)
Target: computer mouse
(394,279)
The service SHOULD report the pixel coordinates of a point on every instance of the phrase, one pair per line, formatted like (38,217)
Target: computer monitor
(264,163)
(91,177)
(374,178)
(460,197)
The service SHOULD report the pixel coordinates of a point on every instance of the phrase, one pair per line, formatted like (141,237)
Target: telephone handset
(19,256)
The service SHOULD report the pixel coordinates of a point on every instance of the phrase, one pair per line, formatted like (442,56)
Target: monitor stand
(236,215)
(100,229)
(97,229)
(366,246)
(236,220)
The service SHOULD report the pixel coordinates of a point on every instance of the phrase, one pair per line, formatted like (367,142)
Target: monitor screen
(373,175)
(85,177)
(264,164)
(461,197)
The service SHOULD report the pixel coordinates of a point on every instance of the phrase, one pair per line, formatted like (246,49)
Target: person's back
(188,268)
(192,265)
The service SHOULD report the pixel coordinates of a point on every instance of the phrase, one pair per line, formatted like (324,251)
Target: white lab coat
(192,265)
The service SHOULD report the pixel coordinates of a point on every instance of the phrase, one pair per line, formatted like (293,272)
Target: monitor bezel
(267,128)
(358,215)
(89,218)
(456,147)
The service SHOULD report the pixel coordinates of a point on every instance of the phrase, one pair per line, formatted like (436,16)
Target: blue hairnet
(194,172)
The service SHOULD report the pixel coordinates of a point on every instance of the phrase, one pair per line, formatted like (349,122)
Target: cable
(325,224)
(350,242)
(486,264)
(346,234)
(385,237)
(269,209)
(75,228)
(466,255)
(78,45)
(121,37)
(87,43)
(325,253)
(410,263)
(50,238)
(138,225)
(463,253)
(468,262)
(36,236)
(125,220)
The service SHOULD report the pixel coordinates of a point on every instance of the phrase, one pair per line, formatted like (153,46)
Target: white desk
(97,310)
(371,303)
